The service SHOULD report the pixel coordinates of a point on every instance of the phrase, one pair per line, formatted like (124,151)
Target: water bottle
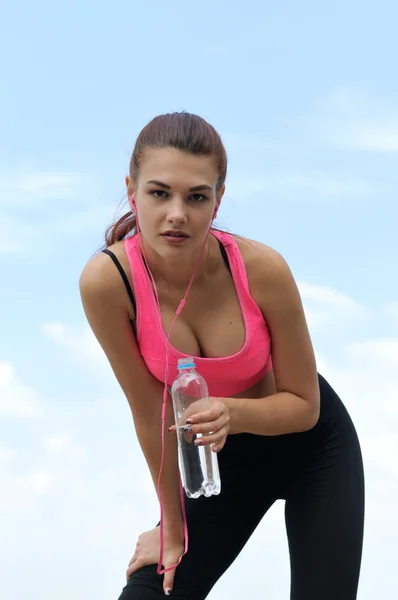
(198,464)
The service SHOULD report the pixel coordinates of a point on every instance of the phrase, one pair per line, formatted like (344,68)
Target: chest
(211,324)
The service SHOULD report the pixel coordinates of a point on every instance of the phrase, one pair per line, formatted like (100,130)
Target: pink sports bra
(225,376)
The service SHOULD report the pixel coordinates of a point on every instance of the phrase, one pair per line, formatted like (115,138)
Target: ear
(216,211)
(130,192)
(219,198)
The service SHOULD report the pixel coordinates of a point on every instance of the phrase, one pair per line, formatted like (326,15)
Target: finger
(133,559)
(211,427)
(208,415)
(217,438)
(168,582)
(133,567)
(172,429)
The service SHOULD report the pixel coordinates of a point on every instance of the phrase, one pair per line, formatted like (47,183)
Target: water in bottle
(198,464)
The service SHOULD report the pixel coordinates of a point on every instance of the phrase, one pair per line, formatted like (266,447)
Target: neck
(176,273)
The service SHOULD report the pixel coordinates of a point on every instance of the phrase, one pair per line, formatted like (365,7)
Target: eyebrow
(196,188)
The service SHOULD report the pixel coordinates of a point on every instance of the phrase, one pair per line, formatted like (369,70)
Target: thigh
(218,529)
(325,515)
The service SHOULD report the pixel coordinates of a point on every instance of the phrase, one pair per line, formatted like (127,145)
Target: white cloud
(375,351)
(17,236)
(328,309)
(81,345)
(372,378)
(69,497)
(37,482)
(24,185)
(6,454)
(392,311)
(16,400)
(58,443)
(367,374)
(33,211)
(65,443)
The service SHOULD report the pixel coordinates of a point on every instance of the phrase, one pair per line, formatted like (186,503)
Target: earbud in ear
(132,203)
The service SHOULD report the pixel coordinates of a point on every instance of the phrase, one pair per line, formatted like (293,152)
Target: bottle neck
(187,370)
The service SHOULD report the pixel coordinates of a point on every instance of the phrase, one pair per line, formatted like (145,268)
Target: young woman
(274,421)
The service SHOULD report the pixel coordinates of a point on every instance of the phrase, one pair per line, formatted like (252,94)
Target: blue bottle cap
(186,363)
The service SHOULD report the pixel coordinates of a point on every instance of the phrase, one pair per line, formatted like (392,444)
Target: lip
(174,231)
(172,239)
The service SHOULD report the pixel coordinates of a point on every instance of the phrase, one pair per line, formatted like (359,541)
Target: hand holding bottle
(213,424)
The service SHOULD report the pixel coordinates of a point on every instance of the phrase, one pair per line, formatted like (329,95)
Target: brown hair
(181,130)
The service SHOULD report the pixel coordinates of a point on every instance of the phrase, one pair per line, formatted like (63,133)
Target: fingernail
(169,428)
(188,421)
(188,428)
(168,591)
(198,442)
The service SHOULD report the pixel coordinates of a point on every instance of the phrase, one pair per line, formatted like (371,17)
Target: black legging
(320,475)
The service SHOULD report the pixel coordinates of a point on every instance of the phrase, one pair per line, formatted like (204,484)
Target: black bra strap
(224,255)
(124,277)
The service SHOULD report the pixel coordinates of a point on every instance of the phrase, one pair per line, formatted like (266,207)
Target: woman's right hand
(147,552)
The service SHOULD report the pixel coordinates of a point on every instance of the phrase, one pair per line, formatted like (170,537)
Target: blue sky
(305,99)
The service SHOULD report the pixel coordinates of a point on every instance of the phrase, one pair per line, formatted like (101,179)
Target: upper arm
(292,352)
(103,298)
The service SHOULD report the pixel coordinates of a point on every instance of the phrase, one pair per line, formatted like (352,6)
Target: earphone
(160,571)
(132,204)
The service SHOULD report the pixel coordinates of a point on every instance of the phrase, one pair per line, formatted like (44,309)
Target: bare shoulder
(265,266)
(100,280)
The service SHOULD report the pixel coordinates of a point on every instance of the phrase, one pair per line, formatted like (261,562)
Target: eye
(201,197)
(161,194)
(155,192)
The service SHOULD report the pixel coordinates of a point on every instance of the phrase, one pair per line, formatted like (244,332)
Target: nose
(176,212)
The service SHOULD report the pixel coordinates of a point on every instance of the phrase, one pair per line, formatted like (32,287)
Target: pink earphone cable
(160,571)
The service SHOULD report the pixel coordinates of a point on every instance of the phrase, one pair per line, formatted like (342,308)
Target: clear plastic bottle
(198,464)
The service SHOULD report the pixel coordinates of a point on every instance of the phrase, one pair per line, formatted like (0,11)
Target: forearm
(277,414)
(149,435)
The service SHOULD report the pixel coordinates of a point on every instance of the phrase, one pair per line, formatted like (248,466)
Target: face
(175,198)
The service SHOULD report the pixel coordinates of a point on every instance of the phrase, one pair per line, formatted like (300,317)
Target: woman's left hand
(213,425)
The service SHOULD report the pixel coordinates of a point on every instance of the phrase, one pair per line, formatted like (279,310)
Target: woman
(278,427)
